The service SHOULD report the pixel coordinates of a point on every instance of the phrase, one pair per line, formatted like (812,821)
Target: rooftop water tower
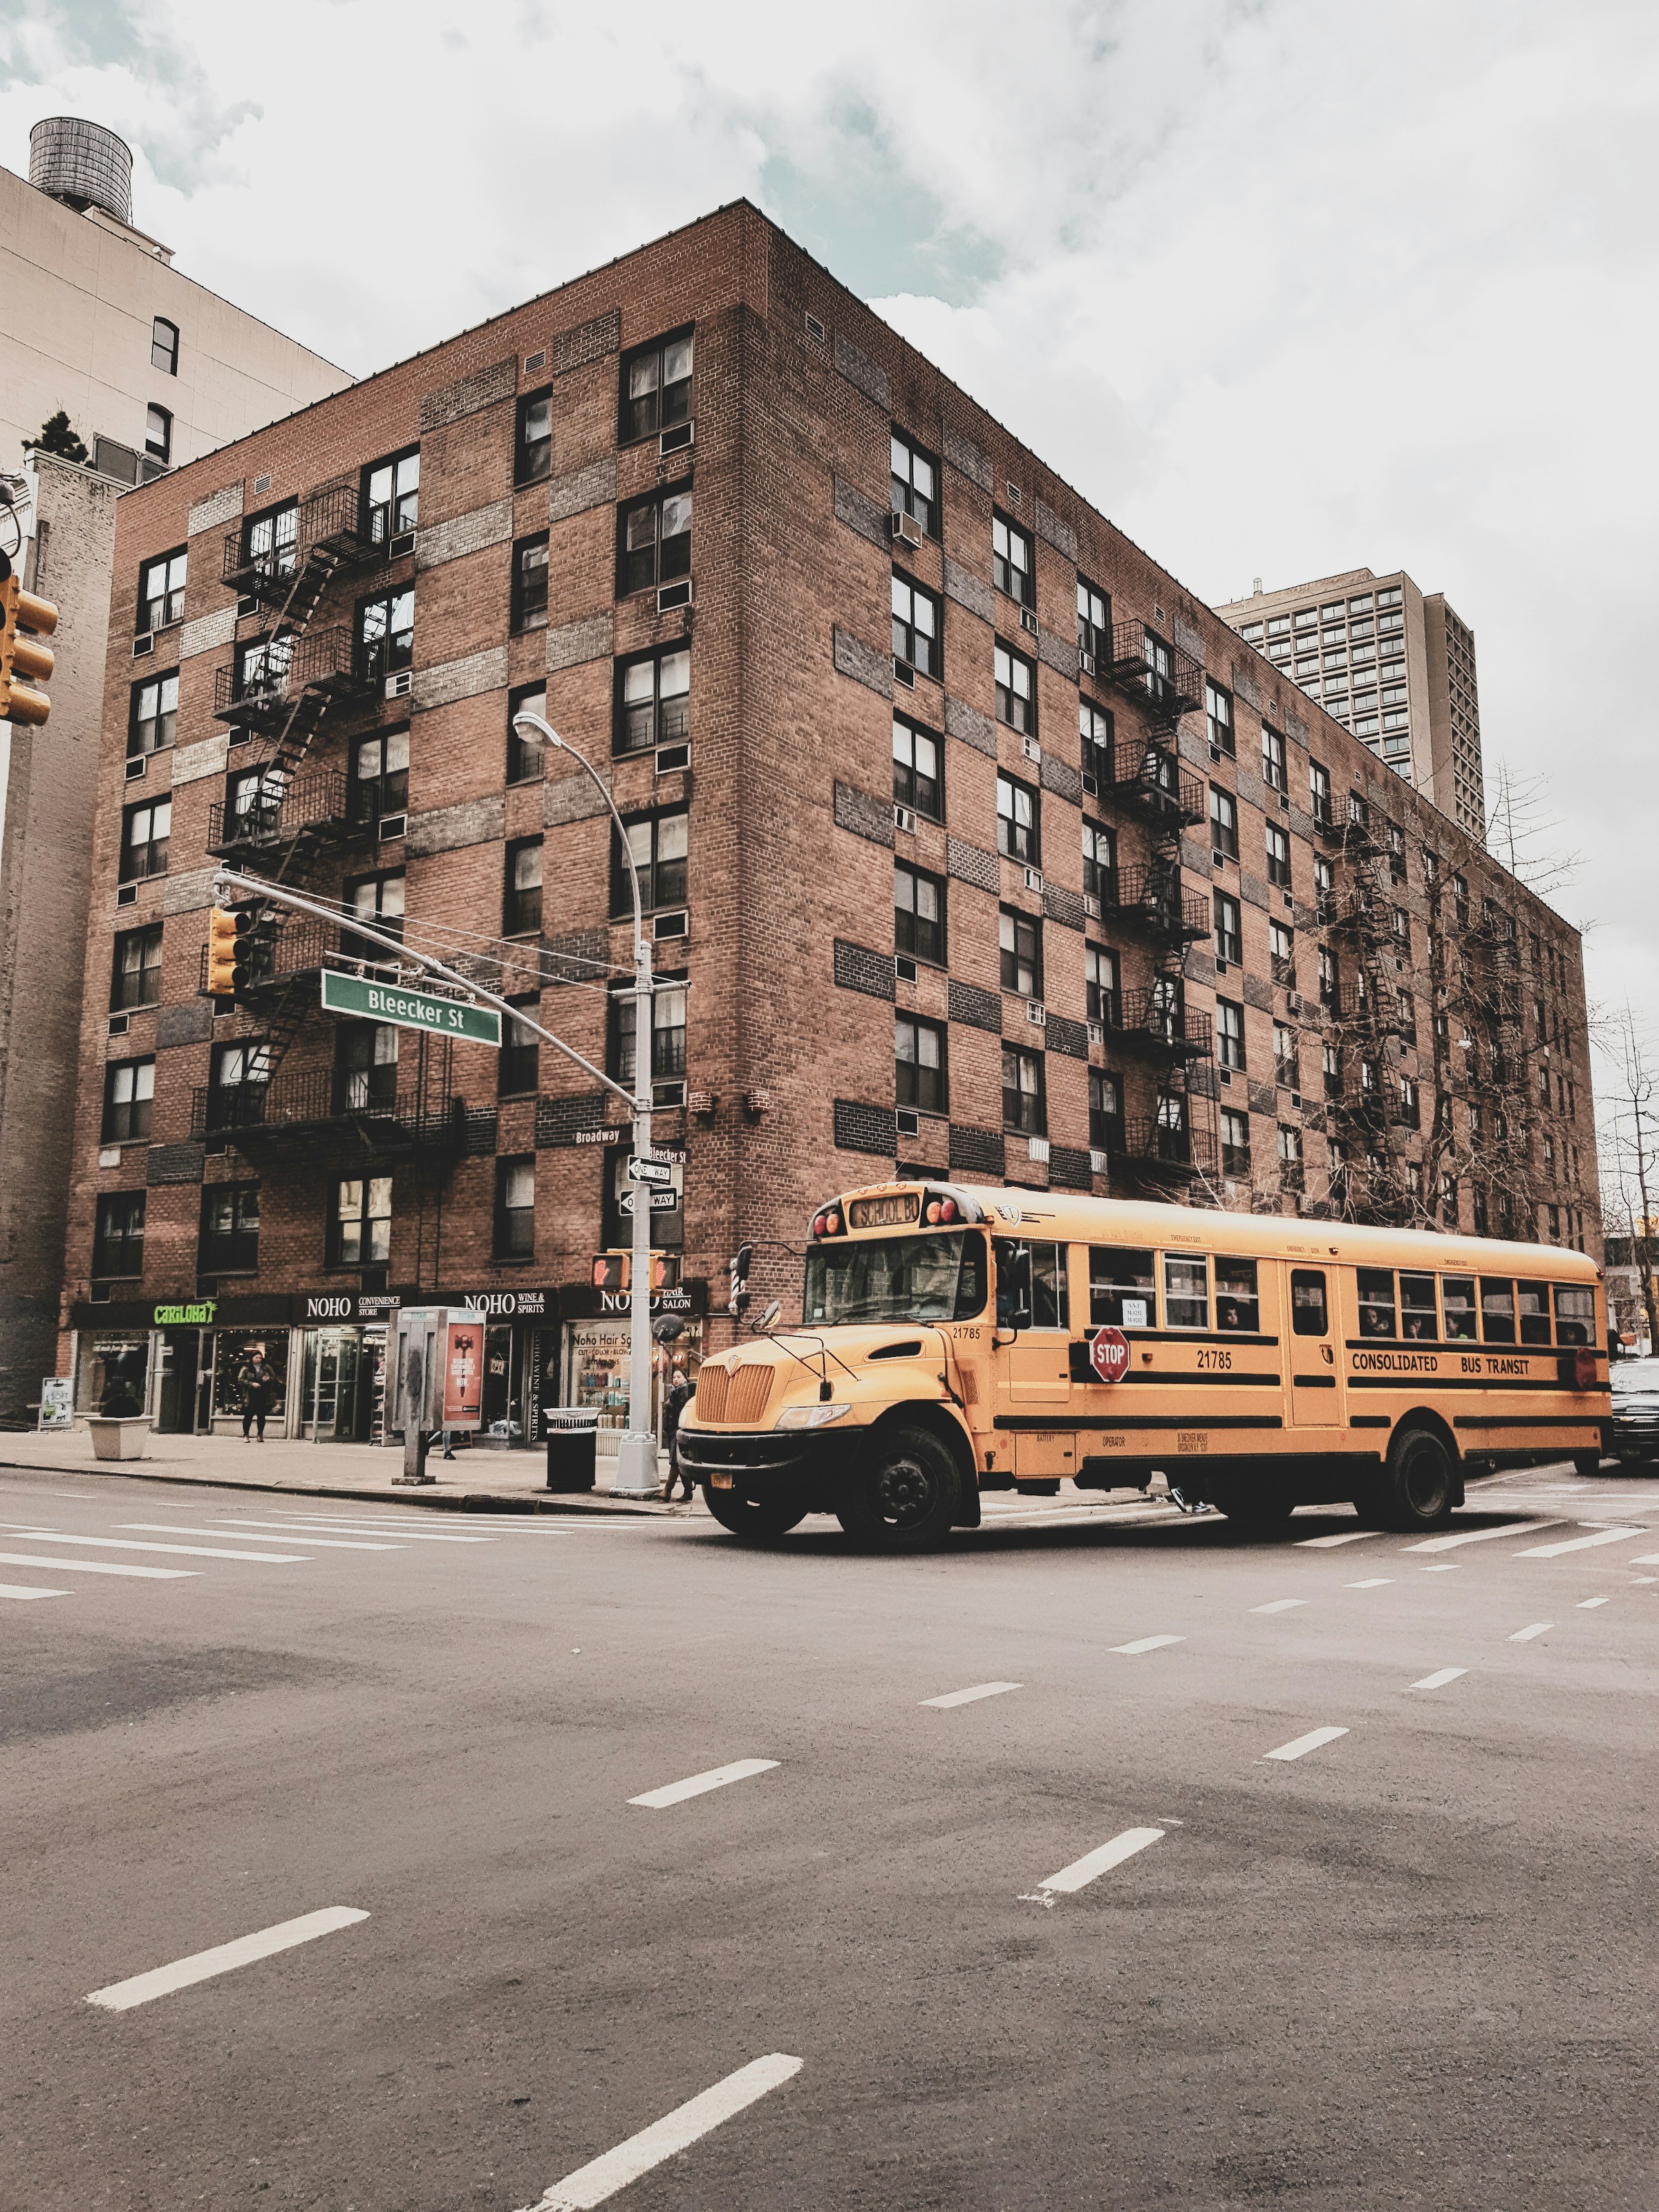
(82,164)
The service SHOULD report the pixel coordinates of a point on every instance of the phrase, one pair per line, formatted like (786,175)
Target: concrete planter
(117,1436)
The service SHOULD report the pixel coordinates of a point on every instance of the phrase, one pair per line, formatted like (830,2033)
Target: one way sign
(662,1201)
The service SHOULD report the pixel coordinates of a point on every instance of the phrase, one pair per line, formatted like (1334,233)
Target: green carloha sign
(409,1010)
(199,1315)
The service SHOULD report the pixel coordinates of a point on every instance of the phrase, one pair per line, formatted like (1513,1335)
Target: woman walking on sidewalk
(254,1379)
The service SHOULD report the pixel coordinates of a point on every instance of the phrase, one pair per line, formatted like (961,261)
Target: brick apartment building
(971,840)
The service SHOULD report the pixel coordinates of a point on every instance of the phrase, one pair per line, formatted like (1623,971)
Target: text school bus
(956,1340)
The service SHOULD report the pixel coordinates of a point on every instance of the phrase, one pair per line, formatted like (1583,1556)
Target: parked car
(1634,1430)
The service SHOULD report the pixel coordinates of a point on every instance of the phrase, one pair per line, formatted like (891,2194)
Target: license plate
(722,1479)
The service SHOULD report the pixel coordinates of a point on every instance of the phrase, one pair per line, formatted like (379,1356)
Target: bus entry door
(1032,1372)
(1315,1373)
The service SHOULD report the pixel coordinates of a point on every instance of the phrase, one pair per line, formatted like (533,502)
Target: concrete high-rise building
(1394,666)
(151,370)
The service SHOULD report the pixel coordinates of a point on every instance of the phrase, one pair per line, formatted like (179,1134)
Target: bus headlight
(810,1417)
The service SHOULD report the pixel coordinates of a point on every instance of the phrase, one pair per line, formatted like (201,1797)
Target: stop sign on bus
(1108,1354)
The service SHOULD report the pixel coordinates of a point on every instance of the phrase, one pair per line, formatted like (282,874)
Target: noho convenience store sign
(409,1010)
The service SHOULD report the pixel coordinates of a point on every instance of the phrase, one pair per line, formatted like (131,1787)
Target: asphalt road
(1412,1964)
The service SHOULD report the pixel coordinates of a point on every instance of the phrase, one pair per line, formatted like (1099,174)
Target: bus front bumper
(751,1461)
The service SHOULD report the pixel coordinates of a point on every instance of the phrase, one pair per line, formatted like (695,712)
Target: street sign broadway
(409,1010)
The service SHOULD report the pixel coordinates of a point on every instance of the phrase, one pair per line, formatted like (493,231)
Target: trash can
(571,1434)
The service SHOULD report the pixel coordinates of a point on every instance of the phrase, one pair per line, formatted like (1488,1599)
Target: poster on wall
(57,1403)
(464,1373)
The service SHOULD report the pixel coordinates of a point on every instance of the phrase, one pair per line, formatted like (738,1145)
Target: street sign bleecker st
(1108,1354)
(409,1010)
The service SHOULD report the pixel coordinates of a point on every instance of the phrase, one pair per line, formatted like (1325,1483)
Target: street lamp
(636,1462)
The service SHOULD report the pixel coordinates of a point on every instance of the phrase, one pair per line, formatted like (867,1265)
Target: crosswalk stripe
(1482,1535)
(1579,1543)
(27,1589)
(300,1529)
(1329,1543)
(95,1567)
(187,1551)
(1081,1872)
(311,1543)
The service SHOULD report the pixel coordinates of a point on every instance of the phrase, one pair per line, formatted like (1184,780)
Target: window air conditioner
(127,894)
(904,968)
(904,817)
(669,925)
(678,440)
(1099,1163)
(392,825)
(667,1094)
(1030,749)
(905,529)
(1028,621)
(144,643)
(671,758)
(403,542)
(815,330)
(1037,1151)
(136,768)
(1092,906)
(400,685)
(904,673)
(1085,662)
(670,596)
(907,1121)
(1090,784)
(1034,879)
(1293,1001)
(1097,1032)
(1037,1013)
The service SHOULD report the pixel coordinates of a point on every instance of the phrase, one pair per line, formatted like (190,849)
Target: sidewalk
(476,1482)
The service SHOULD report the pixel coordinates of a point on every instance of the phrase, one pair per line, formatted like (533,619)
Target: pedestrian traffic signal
(614,1271)
(24,621)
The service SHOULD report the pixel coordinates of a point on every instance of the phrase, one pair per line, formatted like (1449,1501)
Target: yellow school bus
(955,1339)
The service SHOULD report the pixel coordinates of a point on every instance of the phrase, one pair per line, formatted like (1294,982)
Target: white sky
(1284,288)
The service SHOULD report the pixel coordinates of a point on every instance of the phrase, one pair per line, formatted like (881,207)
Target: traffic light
(24,621)
(221,953)
(239,943)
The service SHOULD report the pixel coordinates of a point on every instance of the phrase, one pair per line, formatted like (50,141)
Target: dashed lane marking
(187,1551)
(968,1697)
(1279,1605)
(1081,1872)
(161,1981)
(1371,1581)
(1460,1536)
(1586,1603)
(676,1793)
(1443,1566)
(1579,1543)
(1330,1543)
(1147,1644)
(1526,1635)
(1300,1746)
(27,1590)
(95,1567)
(311,1543)
(1645,1559)
(665,2138)
(1439,1681)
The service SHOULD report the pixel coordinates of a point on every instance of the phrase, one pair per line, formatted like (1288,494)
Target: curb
(476,1501)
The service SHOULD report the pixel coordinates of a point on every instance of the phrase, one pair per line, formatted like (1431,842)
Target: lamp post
(636,1462)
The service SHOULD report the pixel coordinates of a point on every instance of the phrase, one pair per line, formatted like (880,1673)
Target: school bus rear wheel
(901,1495)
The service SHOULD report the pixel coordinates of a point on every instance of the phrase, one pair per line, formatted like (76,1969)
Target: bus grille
(751,1385)
(710,1402)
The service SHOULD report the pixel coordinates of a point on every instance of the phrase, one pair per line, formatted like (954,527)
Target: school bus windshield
(934,1278)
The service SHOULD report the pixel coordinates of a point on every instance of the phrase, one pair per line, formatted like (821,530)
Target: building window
(145,830)
(532,447)
(164,345)
(1099,862)
(391,495)
(1100,999)
(517,1064)
(365,1067)
(1021,941)
(913,485)
(1223,822)
(1326,977)
(653,542)
(657,848)
(154,716)
(118,1235)
(920,1067)
(916,782)
(385,635)
(271,541)
(529,584)
(229,1242)
(1094,621)
(1016,689)
(1287,1073)
(1274,773)
(915,627)
(137,978)
(1410,1111)
(1105,1111)
(129,1089)
(653,700)
(1095,729)
(668,1006)
(1218,712)
(158,432)
(1319,792)
(1290,1157)
(1023,1108)
(1331,1063)
(918,914)
(515,1208)
(379,777)
(1235,1145)
(1324,885)
(1278,856)
(1017,821)
(656,386)
(236,1081)
(1228,938)
(526,760)
(1402,930)
(161,590)
(1229,1033)
(1012,568)
(378,901)
(360,1222)
(521,900)
(1281,950)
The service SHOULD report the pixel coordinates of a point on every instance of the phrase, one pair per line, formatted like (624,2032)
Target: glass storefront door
(341,1401)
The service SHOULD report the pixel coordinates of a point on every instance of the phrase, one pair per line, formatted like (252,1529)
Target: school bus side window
(1186,1292)
(1534,1302)
(1050,1307)
(1237,1303)
(1496,1310)
(1122,1288)
(1306,1302)
(1376,1301)
(1575,1315)
(1417,1317)
(1457,1303)
(1031,1286)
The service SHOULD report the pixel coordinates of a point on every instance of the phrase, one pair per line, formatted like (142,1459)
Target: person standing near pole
(675,1398)
(254,1379)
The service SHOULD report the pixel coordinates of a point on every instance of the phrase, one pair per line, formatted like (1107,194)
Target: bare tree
(1629,1144)
(1520,833)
